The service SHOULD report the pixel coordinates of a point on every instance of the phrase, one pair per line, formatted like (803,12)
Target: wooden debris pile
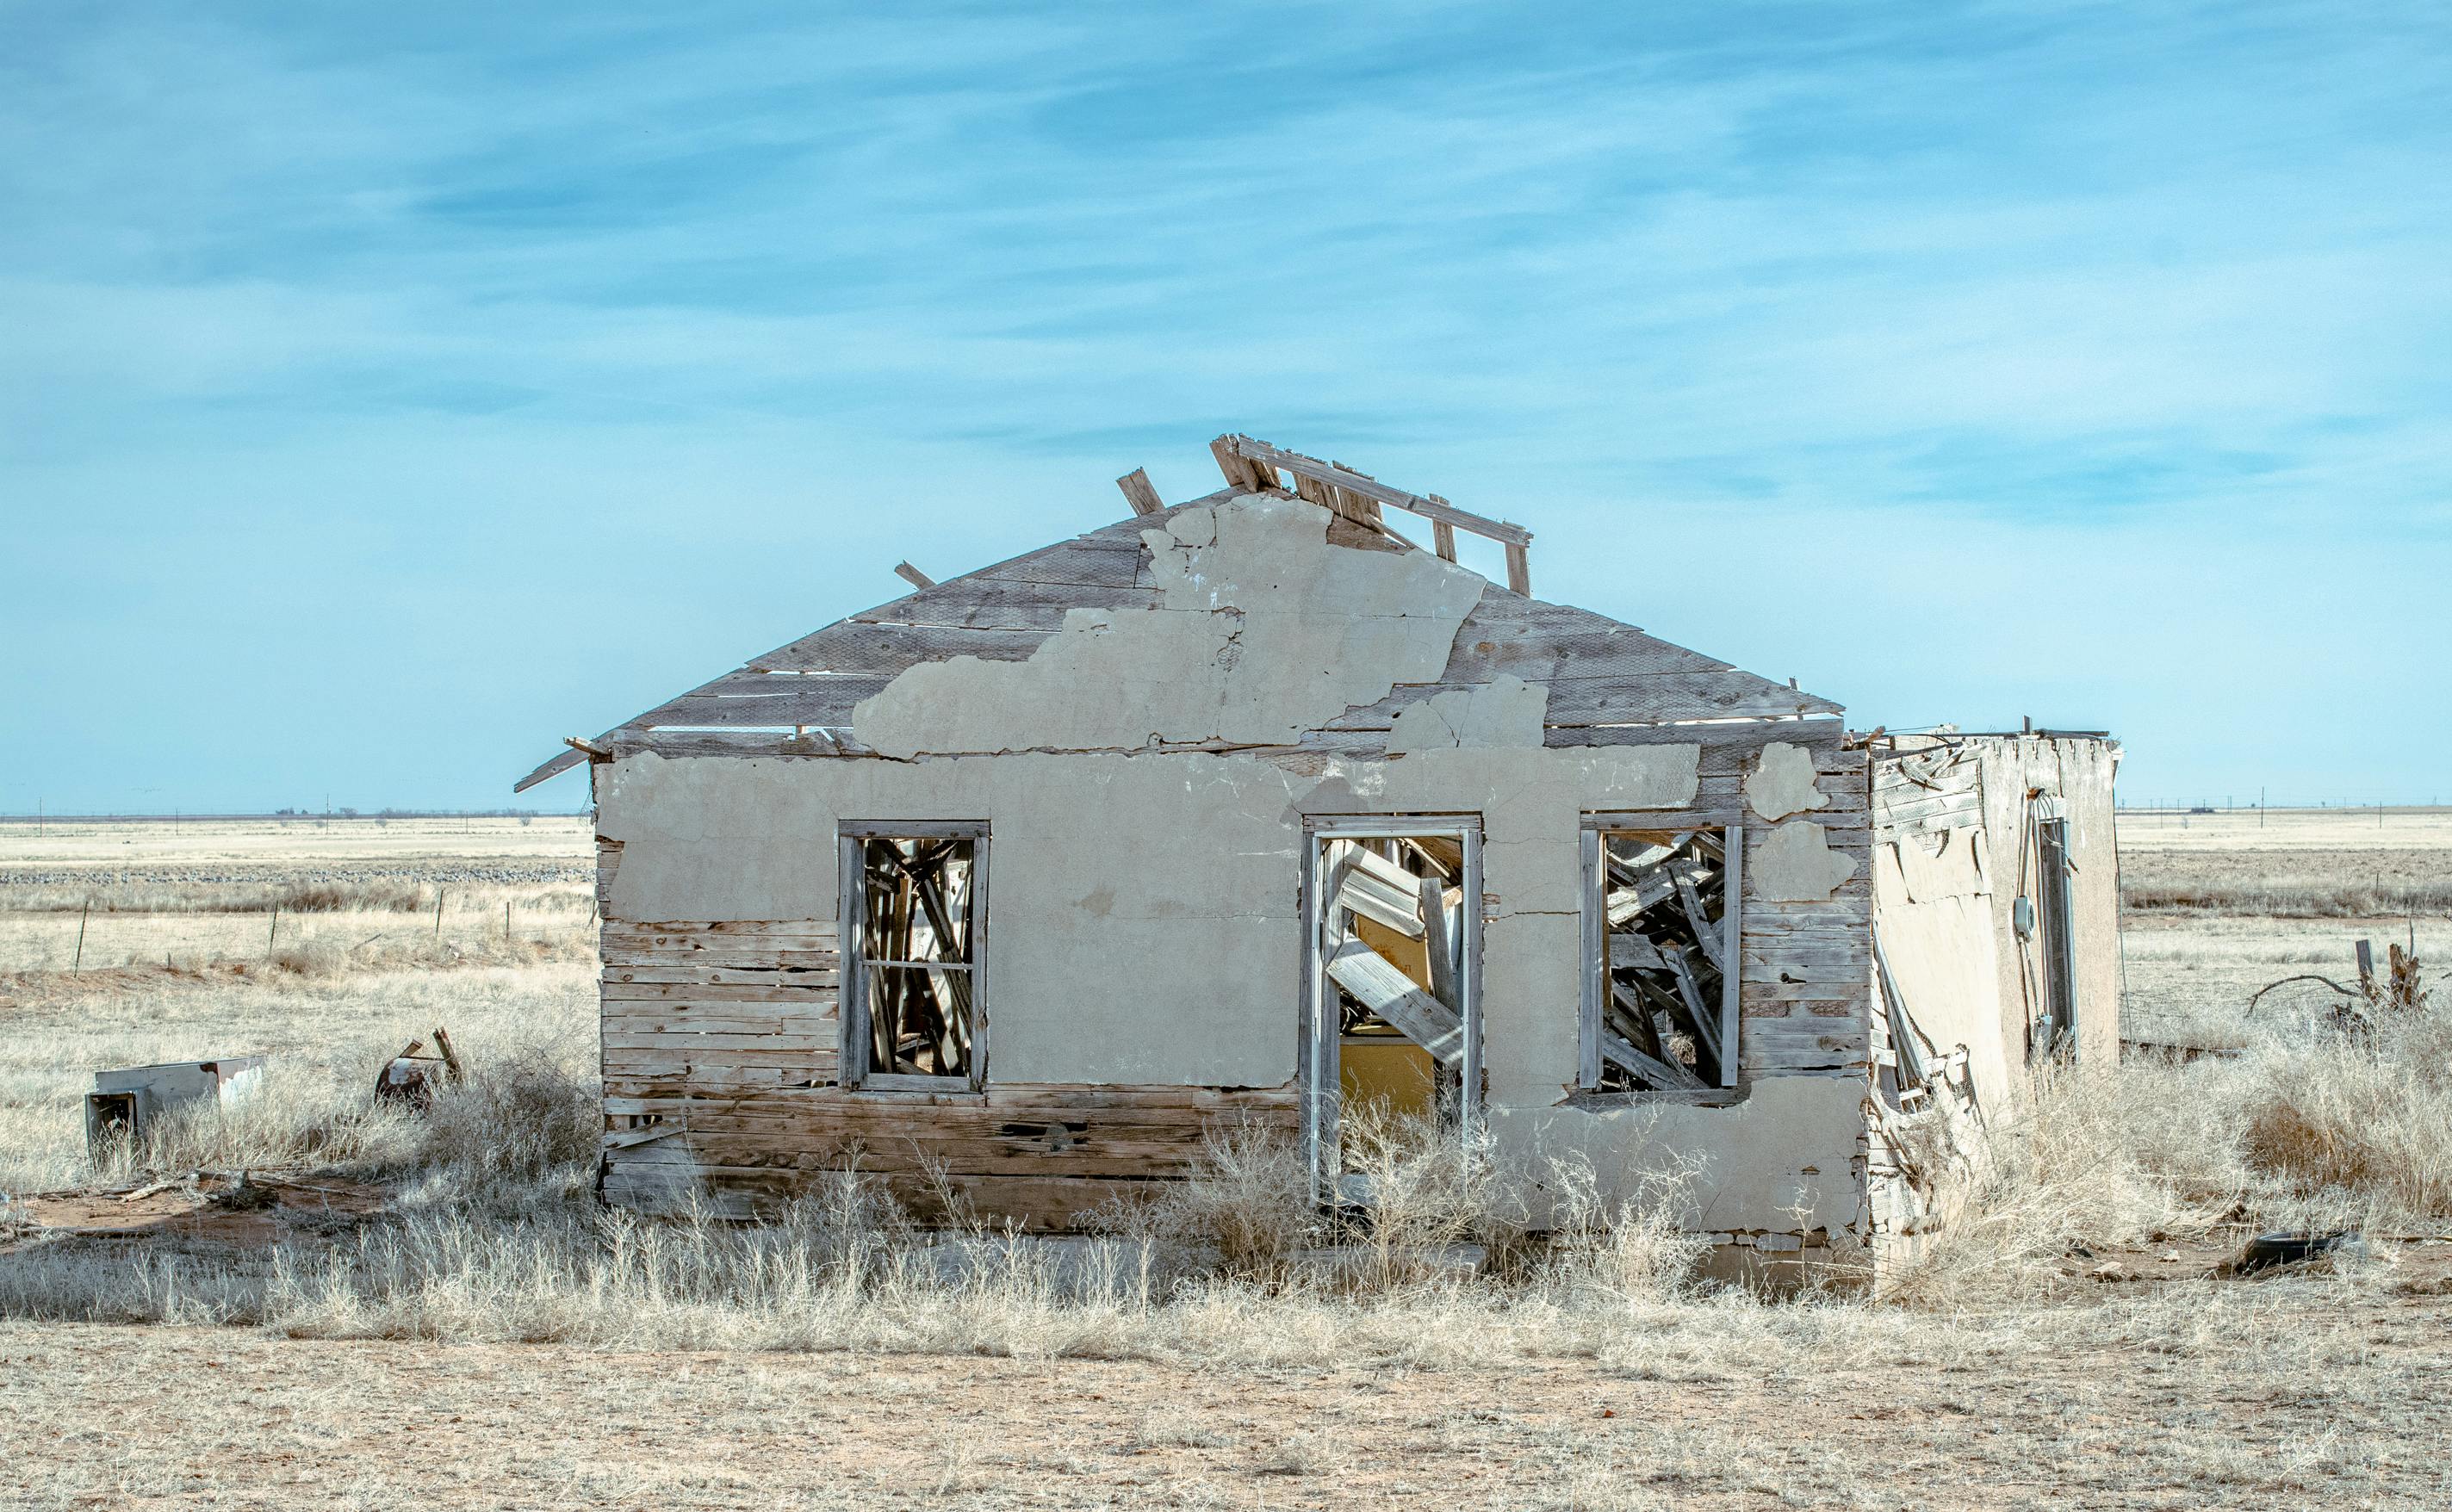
(1394,941)
(1666,896)
(915,946)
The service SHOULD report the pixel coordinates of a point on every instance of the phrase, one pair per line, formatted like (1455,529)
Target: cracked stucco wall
(1145,908)
(1144,922)
(1261,632)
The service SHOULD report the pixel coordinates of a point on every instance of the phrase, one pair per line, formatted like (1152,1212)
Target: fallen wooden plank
(1632,1015)
(1438,945)
(1377,985)
(1357,895)
(1706,929)
(1661,1074)
(1631,948)
(1703,1022)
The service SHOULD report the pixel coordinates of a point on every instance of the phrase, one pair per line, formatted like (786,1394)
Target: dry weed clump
(2303,900)
(497,1239)
(2361,1118)
(2309,1126)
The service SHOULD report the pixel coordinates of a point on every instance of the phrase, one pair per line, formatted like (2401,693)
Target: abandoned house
(1250,808)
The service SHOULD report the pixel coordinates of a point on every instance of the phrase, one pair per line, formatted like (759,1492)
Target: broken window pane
(913,955)
(1665,1019)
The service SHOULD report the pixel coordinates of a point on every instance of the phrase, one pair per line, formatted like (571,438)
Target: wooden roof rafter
(1254,464)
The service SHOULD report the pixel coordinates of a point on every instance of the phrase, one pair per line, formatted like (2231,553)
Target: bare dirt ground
(2313,1391)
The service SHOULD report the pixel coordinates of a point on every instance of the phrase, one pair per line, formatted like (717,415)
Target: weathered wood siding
(721,1044)
(1805,988)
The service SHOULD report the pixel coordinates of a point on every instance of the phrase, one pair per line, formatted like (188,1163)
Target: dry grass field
(430,1311)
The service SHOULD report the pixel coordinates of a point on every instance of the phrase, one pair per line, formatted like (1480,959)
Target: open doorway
(1392,978)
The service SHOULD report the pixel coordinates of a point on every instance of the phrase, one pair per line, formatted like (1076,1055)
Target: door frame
(1318,1056)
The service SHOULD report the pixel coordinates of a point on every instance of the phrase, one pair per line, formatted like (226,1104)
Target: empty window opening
(2059,950)
(1393,1020)
(1662,958)
(914,1009)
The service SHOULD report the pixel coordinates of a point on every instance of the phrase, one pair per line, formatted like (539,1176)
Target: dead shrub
(517,1121)
(1430,1191)
(317,959)
(372,894)
(1247,1204)
(1641,1249)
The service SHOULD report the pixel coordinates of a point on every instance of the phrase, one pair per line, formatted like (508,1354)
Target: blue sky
(390,391)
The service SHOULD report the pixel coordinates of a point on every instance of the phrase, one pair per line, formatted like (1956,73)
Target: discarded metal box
(125,1102)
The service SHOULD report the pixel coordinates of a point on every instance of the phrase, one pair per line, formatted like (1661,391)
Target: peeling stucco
(1506,711)
(1780,781)
(1944,958)
(1956,868)
(1796,864)
(1263,631)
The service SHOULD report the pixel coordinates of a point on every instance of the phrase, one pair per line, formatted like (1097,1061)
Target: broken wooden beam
(1429,507)
(1379,890)
(1707,932)
(912,576)
(1377,985)
(1238,472)
(1139,492)
(1437,944)
(1667,1075)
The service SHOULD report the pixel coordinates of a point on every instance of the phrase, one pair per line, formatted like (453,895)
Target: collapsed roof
(1391,651)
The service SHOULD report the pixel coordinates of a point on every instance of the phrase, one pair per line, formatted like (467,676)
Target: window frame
(853,1073)
(2056,929)
(1320,1048)
(1594,975)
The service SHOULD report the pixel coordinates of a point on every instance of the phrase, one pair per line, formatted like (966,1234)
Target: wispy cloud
(528,367)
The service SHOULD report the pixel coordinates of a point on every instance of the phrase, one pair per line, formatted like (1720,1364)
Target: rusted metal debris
(409,1078)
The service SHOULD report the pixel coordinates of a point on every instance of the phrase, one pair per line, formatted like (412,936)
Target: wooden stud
(1140,493)
(912,576)
(1519,570)
(1428,506)
(1443,539)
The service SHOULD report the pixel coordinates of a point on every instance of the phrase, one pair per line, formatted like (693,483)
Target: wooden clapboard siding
(1805,1003)
(1038,1155)
(720,1053)
(729,1004)
(1922,792)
